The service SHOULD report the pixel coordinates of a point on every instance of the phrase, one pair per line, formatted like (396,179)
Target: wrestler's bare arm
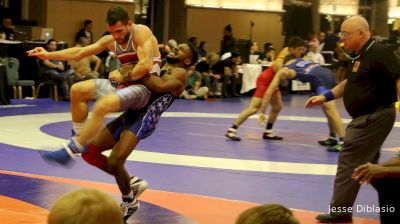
(174,79)
(147,48)
(74,53)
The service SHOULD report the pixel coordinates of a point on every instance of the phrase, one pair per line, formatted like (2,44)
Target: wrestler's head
(118,24)
(184,55)
(296,46)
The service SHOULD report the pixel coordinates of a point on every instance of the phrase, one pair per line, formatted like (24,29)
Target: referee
(369,94)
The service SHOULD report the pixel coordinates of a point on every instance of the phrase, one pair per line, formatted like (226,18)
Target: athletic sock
(75,146)
(77,126)
(234,126)
(269,126)
(332,135)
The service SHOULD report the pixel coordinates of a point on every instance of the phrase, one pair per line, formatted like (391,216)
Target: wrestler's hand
(115,76)
(261,118)
(315,100)
(364,173)
(39,52)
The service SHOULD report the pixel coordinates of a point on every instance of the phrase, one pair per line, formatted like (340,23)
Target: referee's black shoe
(334,217)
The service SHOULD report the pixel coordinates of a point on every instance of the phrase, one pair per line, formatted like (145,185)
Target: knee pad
(94,157)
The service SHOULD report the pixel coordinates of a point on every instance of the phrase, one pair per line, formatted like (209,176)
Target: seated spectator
(194,88)
(313,55)
(109,61)
(254,54)
(85,206)
(230,78)
(55,70)
(385,177)
(209,79)
(331,40)
(268,55)
(166,48)
(83,68)
(321,41)
(202,49)
(86,31)
(6,29)
(194,41)
(267,214)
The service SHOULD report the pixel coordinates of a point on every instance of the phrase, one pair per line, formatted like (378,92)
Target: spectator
(85,206)
(331,40)
(268,56)
(385,177)
(194,88)
(83,68)
(227,70)
(228,42)
(166,48)
(321,40)
(86,31)
(55,70)
(267,214)
(209,79)
(6,29)
(202,49)
(194,41)
(254,55)
(313,55)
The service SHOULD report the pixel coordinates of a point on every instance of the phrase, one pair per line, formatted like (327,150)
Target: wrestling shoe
(334,218)
(336,148)
(328,142)
(138,186)
(63,156)
(271,136)
(129,208)
(231,133)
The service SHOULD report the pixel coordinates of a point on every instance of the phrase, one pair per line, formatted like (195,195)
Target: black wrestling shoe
(334,218)
(231,133)
(129,208)
(328,142)
(271,136)
(138,186)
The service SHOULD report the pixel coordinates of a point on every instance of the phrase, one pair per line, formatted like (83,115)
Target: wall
(208,25)
(67,16)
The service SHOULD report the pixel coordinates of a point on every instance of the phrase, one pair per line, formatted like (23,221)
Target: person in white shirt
(313,55)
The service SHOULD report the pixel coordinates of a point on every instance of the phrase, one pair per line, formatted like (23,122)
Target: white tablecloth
(250,73)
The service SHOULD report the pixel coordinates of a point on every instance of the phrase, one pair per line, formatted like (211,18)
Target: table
(10,48)
(250,74)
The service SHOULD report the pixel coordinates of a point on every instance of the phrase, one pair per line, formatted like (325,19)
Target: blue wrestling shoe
(63,156)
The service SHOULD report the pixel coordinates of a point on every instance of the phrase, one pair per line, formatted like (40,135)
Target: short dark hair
(117,13)
(267,214)
(51,40)
(195,56)
(296,41)
(87,22)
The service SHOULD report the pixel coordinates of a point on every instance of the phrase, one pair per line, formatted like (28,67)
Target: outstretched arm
(74,53)
(336,92)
